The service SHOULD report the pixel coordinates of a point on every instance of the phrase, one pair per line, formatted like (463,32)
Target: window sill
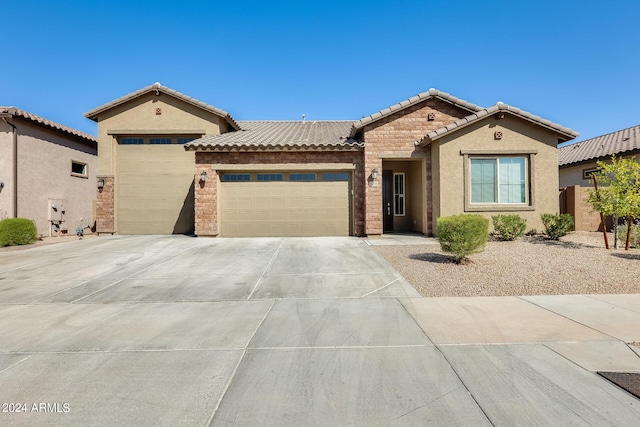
(79,175)
(498,208)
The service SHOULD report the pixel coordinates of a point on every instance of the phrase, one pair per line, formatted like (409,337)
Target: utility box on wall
(57,217)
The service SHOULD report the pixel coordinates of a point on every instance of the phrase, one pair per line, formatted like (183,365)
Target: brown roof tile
(600,147)
(93,114)
(316,135)
(13,111)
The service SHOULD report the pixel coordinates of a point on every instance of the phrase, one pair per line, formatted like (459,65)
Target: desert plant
(17,231)
(509,227)
(557,225)
(462,235)
(635,234)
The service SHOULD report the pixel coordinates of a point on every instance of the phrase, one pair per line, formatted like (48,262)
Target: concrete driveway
(170,330)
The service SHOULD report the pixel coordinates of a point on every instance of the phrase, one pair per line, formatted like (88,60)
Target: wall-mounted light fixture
(203,176)
(100,183)
(374,173)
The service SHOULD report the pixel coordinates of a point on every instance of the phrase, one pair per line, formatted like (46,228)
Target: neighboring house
(47,172)
(397,170)
(578,161)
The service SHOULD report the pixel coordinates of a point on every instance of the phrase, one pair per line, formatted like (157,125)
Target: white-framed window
(499,180)
(398,194)
(79,169)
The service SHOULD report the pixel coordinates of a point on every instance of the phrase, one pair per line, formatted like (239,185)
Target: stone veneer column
(206,200)
(105,206)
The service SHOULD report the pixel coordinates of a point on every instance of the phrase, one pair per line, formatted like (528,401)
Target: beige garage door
(154,190)
(284,208)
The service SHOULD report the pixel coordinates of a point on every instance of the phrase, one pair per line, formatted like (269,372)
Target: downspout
(15,167)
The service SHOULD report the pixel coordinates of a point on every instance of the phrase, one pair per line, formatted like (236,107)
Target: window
(302,177)
(398,194)
(586,173)
(339,176)
(269,177)
(79,169)
(131,141)
(158,141)
(501,180)
(185,140)
(234,177)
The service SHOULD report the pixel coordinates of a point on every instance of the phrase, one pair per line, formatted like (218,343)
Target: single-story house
(578,161)
(47,172)
(171,164)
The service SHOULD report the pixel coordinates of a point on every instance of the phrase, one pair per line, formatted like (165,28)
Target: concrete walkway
(170,330)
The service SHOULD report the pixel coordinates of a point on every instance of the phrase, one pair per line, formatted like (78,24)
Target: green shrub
(509,227)
(557,225)
(17,231)
(635,234)
(462,235)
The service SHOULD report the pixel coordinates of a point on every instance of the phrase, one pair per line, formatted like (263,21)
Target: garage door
(154,190)
(284,204)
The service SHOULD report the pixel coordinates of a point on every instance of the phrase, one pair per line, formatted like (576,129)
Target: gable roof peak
(431,93)
(157,87)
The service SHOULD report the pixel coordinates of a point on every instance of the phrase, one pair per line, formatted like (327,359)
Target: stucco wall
(518,135)
(572,175)
(44,174)
(138,116)
(6,170)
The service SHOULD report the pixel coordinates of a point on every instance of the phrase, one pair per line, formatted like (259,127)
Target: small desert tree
(618,194)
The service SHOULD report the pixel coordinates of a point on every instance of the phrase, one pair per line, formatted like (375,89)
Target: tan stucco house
(578,161)
(171,164)
(47,172)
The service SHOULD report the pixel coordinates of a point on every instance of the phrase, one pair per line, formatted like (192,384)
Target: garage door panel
(284,208)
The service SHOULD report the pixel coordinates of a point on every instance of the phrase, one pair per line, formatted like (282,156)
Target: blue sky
(571,62)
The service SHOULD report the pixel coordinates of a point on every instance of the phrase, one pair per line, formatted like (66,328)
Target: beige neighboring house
(578,161)
(396,170)
(47,172)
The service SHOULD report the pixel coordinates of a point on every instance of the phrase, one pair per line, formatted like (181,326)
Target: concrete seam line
(271,261)
(131,275)
(379,289)
(235,370)
(15,364)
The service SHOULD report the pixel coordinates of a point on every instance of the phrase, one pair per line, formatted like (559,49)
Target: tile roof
(622,141)
(564,132)
(431,93)
(329,135)
(13,111)
(157,87)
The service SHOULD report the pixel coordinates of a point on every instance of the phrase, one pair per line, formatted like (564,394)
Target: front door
(387,201)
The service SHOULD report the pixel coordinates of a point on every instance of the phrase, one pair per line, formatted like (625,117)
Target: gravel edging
(577,264)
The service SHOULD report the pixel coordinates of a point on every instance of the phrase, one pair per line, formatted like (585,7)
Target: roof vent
(303,117)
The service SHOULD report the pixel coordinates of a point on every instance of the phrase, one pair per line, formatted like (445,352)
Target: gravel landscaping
(577,264)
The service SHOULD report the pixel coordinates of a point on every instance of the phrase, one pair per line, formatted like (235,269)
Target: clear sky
(573,62)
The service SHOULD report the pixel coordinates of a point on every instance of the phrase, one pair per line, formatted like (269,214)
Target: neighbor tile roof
(622,141)
(565,132)
(13,111)
(93,114)
(332,135)
(431,93)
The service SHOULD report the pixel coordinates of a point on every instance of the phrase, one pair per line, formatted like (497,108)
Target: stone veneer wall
(206,196)
(105,221)
(394,137)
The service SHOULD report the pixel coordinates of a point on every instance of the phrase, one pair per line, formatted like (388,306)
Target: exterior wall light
(100,183)
(374,173)
(203,176)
